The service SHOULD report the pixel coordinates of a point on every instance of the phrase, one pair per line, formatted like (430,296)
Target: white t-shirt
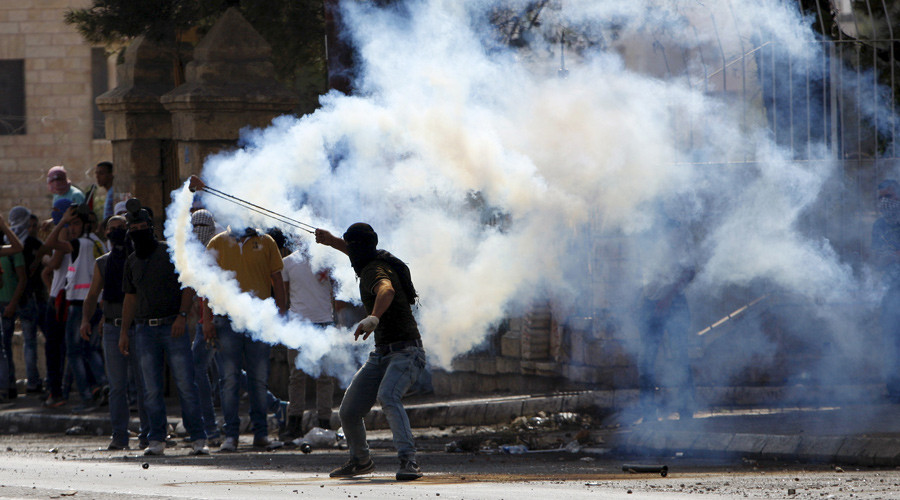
(310,292)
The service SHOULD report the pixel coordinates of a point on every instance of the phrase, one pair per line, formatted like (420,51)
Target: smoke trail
(197,268)
(450,128)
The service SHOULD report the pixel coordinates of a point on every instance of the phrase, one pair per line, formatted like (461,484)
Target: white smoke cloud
(441,113)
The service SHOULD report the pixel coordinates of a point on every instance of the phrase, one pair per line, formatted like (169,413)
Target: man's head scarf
(204,225)
(18,222)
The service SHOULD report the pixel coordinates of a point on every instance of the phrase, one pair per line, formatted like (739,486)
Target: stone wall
(58,103)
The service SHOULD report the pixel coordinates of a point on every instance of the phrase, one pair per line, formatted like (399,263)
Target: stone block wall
(58,103)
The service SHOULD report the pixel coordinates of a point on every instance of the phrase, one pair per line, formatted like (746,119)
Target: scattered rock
(145,465)
(75,430)
(53,450)
(792,491)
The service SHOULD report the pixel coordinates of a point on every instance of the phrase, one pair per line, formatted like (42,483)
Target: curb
(852,450)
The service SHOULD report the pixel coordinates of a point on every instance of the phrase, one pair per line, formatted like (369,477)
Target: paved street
(41,466)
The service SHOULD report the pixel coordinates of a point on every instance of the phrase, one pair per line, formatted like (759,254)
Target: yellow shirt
(253,261)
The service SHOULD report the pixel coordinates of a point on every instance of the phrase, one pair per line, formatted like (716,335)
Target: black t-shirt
(397,323)
(155,282)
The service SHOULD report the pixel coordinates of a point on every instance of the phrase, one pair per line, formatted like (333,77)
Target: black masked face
(361,243)
(144,242)
(360,255)
(117,236)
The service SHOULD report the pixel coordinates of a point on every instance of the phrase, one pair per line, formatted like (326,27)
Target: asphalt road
(41,466)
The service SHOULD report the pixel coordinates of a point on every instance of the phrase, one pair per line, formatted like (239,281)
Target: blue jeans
(153,344)
(238,350)
(118,368)
(31,316)
(82,356)
(385,377)
(204,355)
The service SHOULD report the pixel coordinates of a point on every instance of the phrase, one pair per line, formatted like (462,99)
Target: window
(12,96)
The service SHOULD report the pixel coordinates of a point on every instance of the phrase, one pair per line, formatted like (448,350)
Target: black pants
(55,349)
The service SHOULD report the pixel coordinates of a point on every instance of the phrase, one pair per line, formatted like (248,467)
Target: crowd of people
(100,286)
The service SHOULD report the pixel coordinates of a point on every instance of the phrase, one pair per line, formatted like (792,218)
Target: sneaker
(156,448)
(114,446)
(229,445)
(143,443)
(199,447)
(53,402)
(354,468)
(409,471)
(268,444)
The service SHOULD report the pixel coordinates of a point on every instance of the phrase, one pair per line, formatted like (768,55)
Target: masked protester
(33,302)
(108,271)
(398,359)
(12,284)
(204,352)
(61,187)
(84,359)
(158,307)
(886,250)
(54,276)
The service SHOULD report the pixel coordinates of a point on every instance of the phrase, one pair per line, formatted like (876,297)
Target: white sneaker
(199,447)
(229,445)
(155,448)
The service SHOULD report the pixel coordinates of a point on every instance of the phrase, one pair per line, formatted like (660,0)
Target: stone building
(49,77)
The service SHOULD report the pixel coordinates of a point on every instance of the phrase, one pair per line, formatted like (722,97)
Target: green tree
(294,28)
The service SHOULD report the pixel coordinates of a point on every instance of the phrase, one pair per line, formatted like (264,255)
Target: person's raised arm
(15,244)
(53,240)
(326,238)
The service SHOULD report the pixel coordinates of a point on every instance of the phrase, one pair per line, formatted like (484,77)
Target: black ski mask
(118,236)
(143,239)
(361,242)
(144,242)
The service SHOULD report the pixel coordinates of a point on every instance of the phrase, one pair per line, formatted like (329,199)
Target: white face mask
(890,210)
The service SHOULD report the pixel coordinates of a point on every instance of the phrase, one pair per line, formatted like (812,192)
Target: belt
(397,346)
(168,320)
(113,321)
